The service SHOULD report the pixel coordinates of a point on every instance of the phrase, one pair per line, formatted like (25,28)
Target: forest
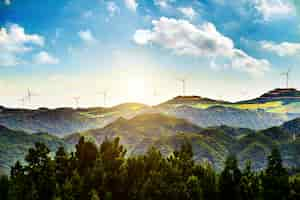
(92,172)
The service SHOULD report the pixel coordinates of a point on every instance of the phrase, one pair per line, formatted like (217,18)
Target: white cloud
(14,42)
(7,2)
(86,36)
(240,60)
(45,58)
(163,3)
(188,12)
(272,9)
(281,49)
(184,38)
(142,37)
(112,8)
(131,4)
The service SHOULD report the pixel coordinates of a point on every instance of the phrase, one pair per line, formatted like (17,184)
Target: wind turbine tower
(22,100)
(29,95)
(104,93)
(183,82)
(76,99)
(287,75)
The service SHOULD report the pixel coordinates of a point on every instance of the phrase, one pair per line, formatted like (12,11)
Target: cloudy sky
(137,50)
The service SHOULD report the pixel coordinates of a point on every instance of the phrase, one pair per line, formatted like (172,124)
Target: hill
(192,100)
(213,144)
(143,129)
(284,94)
(167,133)
(219,115)
(64,121)
(15,144)
(271,109)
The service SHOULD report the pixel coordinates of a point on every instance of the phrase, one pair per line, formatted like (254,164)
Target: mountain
(213,144)
(64,121)
(270,109)
(280,100)
(167,133)
(15,144)
(143,129)
(218,115)
(192,100)
(292,127)
(283,94)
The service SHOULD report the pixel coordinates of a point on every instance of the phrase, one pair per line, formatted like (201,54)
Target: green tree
(250,186)
(86,155)
(94,195)
(229,183)
(4,187)
(295,188)
(40,171)
(112,157)
(275,179)
(193,185)
(208,180)
(62,166)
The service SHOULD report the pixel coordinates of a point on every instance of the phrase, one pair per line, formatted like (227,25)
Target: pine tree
(4,187)
(229,183)
(250,187)
(275,180)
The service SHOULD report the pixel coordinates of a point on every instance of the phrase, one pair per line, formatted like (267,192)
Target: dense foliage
(106,173)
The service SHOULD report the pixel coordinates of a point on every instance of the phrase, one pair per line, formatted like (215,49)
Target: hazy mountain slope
(167,134)
(220,115)
(271,109)
(292,127)
(64,121)
(148,126)
(286,95)
(15,144)
(213,144)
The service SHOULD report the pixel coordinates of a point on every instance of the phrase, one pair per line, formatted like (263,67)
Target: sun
(137,90)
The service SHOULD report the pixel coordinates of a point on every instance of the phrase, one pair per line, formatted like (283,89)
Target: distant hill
(287,95)
(192,100)
(167,133)
(229,116)
(271,109)
(212,144)
(292,127)
(64,121)
(138,130)
(15,144)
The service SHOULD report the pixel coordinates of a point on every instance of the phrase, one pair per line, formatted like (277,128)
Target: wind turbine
(183,82)
(287,75)
(76,99)
(104,93)
(30,94)
(22,100)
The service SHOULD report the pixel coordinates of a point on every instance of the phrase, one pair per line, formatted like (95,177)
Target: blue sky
(136,50)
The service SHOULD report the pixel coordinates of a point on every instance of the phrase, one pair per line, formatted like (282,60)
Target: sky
(139,50)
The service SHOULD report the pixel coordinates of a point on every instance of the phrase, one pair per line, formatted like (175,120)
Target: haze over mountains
(271,109)
(215,128)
